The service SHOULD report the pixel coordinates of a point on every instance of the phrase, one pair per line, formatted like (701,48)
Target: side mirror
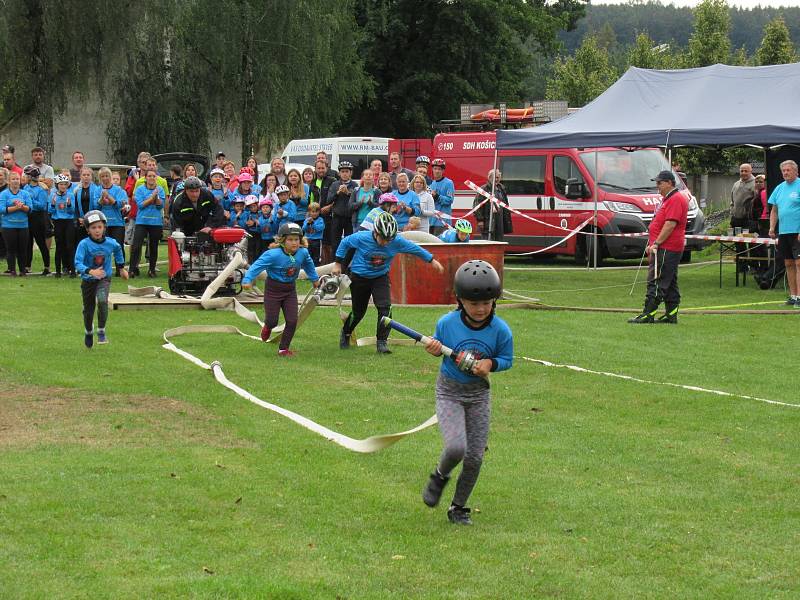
(575,190)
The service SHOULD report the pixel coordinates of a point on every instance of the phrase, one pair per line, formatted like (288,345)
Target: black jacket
(191,217)
(341,202)
(482,214)
(320,194)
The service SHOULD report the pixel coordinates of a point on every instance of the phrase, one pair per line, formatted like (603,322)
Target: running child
(459,234)
(314,229)
(266,232)
(370,255)
(63,212)
(282,262)
(93,264)
(463,401)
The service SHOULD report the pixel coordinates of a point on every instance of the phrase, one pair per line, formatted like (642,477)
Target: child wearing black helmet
(93,264)
(462,397)
(282,263)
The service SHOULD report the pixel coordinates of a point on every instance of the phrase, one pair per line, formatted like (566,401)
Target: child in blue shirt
(314,228)
(284,211)
(93,264)
(459,234)
(463,400)
(63,213)
(370,254)
(238,216)
(443,191)
(267,233)
(15,205)
(282,262)
(251,226)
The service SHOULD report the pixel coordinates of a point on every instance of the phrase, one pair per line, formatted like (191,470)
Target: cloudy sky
(741,3)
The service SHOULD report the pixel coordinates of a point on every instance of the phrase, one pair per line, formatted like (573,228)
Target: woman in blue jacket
(15,204)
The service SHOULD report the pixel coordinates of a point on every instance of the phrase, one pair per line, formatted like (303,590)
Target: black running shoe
(459,515)
(642,318)
(344,340)
(383,347)
(790,301)
(46,272)
(667,320)
(88,339)
(433,491)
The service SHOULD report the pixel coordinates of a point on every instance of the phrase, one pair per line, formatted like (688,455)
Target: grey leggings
(463,410)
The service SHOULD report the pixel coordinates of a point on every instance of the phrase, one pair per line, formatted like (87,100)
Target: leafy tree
(51,52)
(581,78)
(646,54)
(710,42)
(776,45)
(428,57)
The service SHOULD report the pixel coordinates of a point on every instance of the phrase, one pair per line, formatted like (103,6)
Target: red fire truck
(536,184)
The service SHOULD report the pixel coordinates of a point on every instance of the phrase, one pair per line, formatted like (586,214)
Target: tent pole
(492,205)
(596,179)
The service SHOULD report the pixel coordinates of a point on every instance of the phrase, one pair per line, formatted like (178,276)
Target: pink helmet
(388,197)
(245,177)
(264,202)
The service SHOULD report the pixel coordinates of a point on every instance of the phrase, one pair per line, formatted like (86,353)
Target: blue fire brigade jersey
(266,227)
(150,214)
(93,255)
(444,201)
(39,197)
(410,199)
(254,229)
(369,221)
(372,260)
(451,237)
(223,196)
(113,212)
(493,340)
(62,207)
(315,229)
(19,218)
(238,220)
(290,211)
(282,266)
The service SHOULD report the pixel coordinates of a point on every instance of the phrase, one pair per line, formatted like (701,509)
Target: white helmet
(386,226)
(282,189)
(250,199)
(61,179)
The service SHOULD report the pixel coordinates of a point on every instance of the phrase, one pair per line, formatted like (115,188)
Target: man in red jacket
(665,246)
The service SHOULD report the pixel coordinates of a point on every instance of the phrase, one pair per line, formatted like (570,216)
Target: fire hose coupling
(329,285)
(465,361)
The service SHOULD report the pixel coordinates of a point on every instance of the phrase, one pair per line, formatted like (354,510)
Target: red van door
(567,213)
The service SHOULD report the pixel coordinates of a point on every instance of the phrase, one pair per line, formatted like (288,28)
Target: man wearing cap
(339,200)
(666,241)
(196,209)
(9,161)
(46,173)
(220,160)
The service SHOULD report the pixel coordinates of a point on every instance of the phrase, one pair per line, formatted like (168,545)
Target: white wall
(83,127)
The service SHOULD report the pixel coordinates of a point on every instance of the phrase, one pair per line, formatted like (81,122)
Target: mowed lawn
(127,472)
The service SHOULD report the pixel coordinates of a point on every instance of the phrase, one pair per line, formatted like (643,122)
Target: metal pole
(596,179)
(492,205)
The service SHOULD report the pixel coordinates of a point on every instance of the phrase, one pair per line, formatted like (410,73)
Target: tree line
(170,73)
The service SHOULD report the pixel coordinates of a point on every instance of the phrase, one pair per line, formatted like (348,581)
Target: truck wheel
(686,257)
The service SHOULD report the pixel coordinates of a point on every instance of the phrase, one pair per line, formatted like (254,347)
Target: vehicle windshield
(622,171)
(306,159)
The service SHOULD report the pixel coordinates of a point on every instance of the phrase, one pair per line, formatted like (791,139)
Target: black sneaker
(433,491)
(46,272)
(642,318)
(459,515)
(58,274)
(88,339)
(151,274)
(72,274)
(790,301)
(344,340)
(383,347)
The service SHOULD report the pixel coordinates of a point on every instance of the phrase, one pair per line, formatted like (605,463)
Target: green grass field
(127,472)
